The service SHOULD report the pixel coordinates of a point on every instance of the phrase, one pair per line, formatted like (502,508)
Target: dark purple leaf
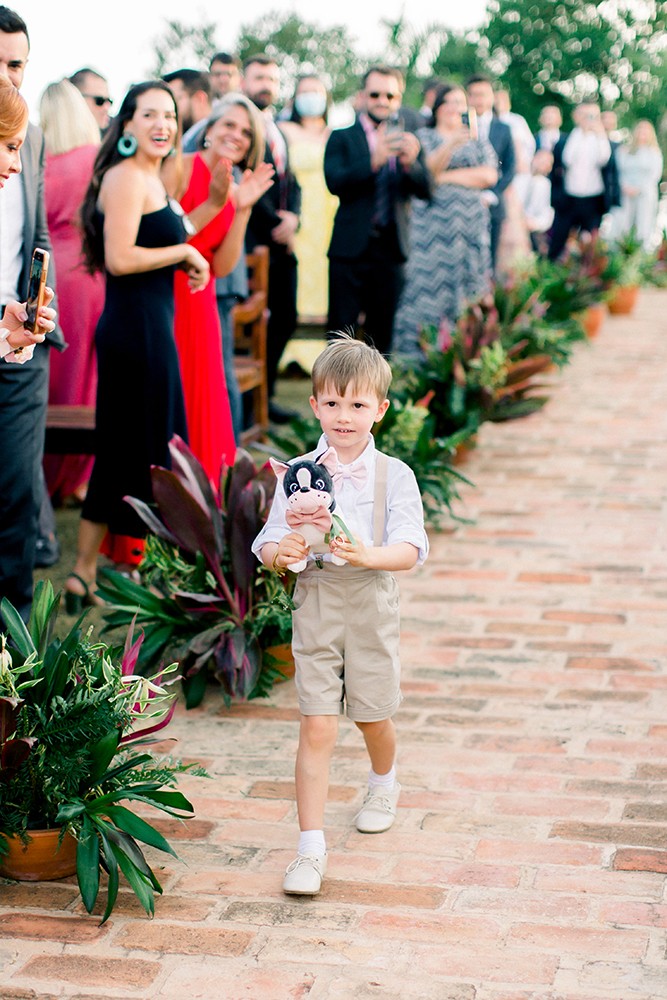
(238,661)
(182,514)
(14,752)
(190,472)
(242,530)
(149,518)
(242,473)
(8,717)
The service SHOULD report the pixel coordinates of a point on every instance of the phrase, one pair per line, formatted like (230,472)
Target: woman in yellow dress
(306,134)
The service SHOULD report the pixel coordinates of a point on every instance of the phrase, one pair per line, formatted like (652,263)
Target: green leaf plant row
(75,725)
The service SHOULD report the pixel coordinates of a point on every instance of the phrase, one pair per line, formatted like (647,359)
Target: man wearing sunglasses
(374,167)
(96,91)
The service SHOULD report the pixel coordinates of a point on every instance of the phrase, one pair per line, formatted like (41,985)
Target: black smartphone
(36,287)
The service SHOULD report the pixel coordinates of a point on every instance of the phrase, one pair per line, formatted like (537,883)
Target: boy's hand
(292,548)
(356,555)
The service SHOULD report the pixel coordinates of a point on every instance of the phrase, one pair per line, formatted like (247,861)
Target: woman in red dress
(233,136)
(72,141)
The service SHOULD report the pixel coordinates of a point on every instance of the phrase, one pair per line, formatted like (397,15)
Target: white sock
(387,781)
(312,842)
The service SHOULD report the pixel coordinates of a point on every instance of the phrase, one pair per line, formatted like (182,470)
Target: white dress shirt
(404,521)
(584,155)
(12,217)
(548,138)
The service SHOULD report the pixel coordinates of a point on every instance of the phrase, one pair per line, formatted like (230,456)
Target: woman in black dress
(139,237)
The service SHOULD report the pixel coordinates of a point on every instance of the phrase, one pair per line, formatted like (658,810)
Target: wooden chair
(250,319)
(70,430)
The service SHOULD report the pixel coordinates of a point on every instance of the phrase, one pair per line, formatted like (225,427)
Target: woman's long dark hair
(107,157)
(440,95)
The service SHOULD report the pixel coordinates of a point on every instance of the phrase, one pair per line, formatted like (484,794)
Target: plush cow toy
(311,503)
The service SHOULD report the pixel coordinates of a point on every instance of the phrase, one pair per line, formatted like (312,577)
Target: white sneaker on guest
(379,810)
(304,875)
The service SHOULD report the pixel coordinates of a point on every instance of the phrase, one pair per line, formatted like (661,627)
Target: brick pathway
(528,861)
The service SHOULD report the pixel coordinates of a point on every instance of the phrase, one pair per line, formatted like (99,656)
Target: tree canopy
(303,47)
(543,51)
(560,52)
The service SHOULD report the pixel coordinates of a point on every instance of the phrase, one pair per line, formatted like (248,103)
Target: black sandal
(74,603)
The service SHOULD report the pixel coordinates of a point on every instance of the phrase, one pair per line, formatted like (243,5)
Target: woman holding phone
(450,257)
(138,236)
(20,469)
(232,137)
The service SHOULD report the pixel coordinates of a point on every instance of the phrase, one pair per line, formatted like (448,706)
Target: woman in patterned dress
(450,260)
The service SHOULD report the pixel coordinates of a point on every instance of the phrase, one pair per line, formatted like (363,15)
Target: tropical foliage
(204,599)
(70,749)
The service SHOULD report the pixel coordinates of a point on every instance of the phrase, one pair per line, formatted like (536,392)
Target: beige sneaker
(378,811)
(304,875)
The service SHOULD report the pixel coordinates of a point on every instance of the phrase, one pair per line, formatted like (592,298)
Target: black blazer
(284,194)
(349,175)
(612,187)
(500,137)
(35,228)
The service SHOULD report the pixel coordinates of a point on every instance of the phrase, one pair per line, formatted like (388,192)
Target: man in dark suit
(480,97)
(584,178)
(274,220)
(374,168)
(23,388)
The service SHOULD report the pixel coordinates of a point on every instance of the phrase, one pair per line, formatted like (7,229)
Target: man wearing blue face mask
(306,133)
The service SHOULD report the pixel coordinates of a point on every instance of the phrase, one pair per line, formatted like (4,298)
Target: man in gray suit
(24,388)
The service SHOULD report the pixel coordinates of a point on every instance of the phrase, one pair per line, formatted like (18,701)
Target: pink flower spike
(131,652)
(150,729)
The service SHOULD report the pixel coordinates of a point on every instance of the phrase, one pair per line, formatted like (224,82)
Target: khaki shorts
(346,634)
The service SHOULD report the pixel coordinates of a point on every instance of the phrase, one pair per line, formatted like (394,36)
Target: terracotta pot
(285,657)
(623,300)
(40,861)
(592,318)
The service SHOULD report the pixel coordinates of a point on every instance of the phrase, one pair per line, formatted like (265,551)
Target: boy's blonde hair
(347,361)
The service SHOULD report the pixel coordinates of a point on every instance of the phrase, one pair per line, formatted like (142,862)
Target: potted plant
(654,266)
(471,375)
(578,286)
(71,756)
(628,256)
(204,599)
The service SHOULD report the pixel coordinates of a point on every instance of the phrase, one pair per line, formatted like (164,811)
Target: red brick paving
(529,857)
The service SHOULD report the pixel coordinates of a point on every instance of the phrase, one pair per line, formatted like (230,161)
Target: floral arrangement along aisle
(204,600)
(72,759)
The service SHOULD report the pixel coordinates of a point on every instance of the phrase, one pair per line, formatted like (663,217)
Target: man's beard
(374,118)
(187,121)
(262,99)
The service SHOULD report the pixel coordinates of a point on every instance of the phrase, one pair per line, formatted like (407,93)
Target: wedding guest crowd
(389,225)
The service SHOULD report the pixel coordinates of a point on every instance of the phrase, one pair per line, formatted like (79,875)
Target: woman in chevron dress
(450,259)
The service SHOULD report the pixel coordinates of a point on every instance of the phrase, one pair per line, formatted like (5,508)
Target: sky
(116,36)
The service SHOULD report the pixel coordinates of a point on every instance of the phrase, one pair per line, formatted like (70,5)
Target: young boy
(346,621)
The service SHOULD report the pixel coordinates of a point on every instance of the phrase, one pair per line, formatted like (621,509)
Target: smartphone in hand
(469,119)
(36,287)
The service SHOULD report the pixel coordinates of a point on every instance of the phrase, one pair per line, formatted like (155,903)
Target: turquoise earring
(127,144)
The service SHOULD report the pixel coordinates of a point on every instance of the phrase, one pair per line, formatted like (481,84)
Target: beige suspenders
(380,497)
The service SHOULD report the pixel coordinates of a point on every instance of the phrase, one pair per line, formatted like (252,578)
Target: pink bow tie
(320,519)
(356,473)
